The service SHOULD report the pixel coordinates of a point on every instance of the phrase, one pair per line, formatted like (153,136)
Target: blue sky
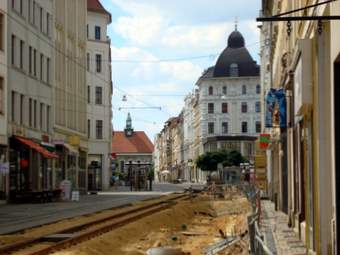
(161,47)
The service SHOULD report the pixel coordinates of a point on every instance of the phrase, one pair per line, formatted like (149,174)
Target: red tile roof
(137,143)
(96,6)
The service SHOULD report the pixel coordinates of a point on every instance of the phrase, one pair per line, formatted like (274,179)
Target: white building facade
(230,104)
(3,99)
(99,93)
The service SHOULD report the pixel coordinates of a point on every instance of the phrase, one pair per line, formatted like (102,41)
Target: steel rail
(147,209)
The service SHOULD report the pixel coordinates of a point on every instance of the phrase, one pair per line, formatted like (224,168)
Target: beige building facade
(70,91)
(303,174)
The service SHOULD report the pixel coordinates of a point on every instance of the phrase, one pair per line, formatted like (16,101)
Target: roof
(234,53)
(137,143)
(96,6)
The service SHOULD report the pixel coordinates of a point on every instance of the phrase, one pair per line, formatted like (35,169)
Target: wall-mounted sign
(276,108)
(264,141)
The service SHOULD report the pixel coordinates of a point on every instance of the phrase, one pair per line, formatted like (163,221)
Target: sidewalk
(279,238)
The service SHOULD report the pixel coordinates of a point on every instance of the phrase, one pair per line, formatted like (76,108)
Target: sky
(161,47)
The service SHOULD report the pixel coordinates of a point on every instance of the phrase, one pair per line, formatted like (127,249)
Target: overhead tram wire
(112,61)
(72,59)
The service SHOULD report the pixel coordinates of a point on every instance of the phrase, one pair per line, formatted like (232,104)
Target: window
(2,26)
(35,62)
(233,70)
(41,115)
(13,4)
(99,129)
(21,109)
(87,30)
(41,19)
(211,91)
(21,54)
(99,95)
(257,107)
(13,106)
(244,107)
(13,49)
(41,66)
(244,127)
(122,165)
(244,89)
(30,112)
(224,107)
(88,94)
(210,107)
(35,113)
(47,23)
(88,61)
(98,63)
(258,89)
(20,7)
(30,59)
(29,10)
(1,95)
(88,128)
(225,127)
(48,62)
(48,113)
(97,32)
(258,127)
(33,13)
(211,128)
(224,90)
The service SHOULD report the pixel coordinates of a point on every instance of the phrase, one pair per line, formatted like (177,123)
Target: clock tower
(128,128)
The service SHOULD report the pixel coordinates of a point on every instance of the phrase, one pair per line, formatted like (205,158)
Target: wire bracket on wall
(282,17)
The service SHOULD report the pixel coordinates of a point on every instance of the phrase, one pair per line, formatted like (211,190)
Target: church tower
(128,128)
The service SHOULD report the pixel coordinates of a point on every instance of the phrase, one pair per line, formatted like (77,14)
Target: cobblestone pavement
(279,238)
(15,217)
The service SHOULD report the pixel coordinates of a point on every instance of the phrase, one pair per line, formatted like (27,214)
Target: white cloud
(139,30)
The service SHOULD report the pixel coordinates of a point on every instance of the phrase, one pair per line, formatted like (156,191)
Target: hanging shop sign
(264,141)
(276,108)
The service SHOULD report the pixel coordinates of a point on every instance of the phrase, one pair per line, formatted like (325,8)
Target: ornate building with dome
(229,100)
(223,112)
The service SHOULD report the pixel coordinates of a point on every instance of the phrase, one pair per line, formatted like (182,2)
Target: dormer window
(211,90)
(233,70)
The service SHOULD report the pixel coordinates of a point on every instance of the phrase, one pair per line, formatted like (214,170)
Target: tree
(209,160)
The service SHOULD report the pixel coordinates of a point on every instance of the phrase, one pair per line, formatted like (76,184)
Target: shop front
(30,170)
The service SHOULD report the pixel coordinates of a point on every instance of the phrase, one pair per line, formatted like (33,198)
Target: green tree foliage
(209,160)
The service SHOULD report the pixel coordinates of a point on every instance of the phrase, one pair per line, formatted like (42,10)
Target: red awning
(36,147)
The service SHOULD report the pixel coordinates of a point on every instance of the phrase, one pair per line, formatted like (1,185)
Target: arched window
(258,89)
(233,71)
(244,89)
(224,90)
(211,90)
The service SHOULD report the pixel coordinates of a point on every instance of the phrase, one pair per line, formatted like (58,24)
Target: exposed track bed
(72,235)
